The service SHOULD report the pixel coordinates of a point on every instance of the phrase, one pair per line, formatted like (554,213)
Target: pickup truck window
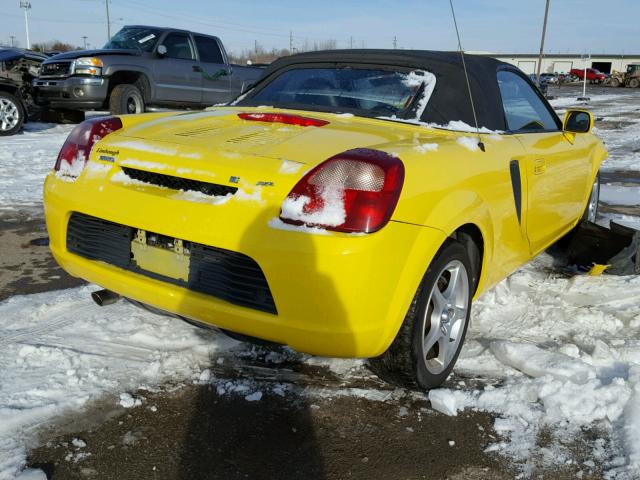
(179,46)
(208,50)
(367,91)
(134,38)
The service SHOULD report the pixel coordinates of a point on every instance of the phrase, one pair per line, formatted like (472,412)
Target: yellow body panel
(336,294)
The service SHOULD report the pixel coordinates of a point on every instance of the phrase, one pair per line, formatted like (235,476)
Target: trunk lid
(262,160)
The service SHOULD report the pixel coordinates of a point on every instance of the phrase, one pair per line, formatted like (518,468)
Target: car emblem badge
(234,179)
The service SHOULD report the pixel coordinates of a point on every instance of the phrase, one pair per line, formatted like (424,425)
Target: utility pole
(351,41)
(395,42)
(13,43)
(544,32)
(84,39)
(106,3)
(26,5)
(255,49)
(290,42)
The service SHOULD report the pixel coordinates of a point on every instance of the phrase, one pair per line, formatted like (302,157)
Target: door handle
(197,68)
(539,166)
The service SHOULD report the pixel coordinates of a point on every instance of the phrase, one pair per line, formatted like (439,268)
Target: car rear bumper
(74,92)
(336,294)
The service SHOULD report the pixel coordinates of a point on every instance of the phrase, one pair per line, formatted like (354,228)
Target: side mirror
(577,121)
(162,50)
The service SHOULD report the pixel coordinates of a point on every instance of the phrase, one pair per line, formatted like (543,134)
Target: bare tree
(53,46)
(259,54)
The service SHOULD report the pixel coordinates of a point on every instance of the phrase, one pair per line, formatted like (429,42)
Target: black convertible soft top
(450,99)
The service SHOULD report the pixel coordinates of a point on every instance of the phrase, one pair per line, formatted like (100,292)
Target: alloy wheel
(9,114)
(445,318)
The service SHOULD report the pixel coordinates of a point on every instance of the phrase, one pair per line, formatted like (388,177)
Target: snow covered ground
(25,161)
(545,353)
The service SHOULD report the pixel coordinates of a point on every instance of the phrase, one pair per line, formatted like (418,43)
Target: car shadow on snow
(251,424)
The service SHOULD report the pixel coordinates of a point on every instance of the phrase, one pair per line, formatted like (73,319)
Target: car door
(557,166)
(215,72)
(177,75)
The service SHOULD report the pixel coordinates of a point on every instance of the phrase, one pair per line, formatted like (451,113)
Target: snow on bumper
(336,294)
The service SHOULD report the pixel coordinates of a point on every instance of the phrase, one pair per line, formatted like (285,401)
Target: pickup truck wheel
(126,99)
(431,336)
(11,114)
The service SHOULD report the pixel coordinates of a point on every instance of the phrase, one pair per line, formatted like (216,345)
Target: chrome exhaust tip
(104,297)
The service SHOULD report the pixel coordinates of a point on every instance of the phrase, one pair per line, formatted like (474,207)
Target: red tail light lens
(355,191)
(75,152)
(285,118)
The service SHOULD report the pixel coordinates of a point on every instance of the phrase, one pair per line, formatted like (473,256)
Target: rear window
(208,50)
(373,92)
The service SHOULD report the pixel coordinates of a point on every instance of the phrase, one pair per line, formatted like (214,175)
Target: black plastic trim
(224,274)
(178,183)
(516,184)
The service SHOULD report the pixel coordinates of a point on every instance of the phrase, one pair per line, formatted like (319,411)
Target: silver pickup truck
(140,68)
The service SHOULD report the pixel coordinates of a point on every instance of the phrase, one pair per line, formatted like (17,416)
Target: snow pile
(470,143)
(69,172)
(426,147)
(59,351)
(418,79)
(566,356)
(330,213)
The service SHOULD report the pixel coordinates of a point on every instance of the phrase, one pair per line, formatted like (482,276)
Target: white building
(562,63)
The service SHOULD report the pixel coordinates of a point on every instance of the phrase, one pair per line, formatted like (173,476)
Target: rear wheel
(634,82)
(614,82)
(125,99)
(431,336)
(11,114)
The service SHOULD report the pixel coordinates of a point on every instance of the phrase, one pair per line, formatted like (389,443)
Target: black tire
(64,116)
(125,99)
(591,210)
(634,83)
(614,82)
(12,114)
(403,363)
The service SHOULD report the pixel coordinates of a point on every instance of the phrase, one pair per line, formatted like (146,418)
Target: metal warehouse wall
(565,62)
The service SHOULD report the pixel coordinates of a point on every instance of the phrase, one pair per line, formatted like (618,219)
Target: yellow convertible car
(346,205)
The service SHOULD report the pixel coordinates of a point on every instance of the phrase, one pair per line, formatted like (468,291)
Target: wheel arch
(472,239)
(132,76)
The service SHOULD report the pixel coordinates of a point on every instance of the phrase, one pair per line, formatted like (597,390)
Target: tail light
(285,118)
(354,191)
(76,149)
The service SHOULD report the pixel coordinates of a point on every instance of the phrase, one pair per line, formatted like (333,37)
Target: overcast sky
(501,26)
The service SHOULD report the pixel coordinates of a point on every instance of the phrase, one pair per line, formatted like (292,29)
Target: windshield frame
(407,113)
(152,30)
